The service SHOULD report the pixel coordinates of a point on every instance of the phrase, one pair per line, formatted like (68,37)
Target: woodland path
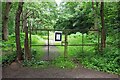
(53,51)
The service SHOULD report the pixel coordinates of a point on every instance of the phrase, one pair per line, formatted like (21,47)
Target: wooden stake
(65,47)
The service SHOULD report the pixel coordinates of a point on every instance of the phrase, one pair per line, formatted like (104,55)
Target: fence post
(82,42)
(65,47)
(48,45)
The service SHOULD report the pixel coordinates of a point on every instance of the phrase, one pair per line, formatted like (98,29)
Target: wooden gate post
(48,45)
(65,46)
(82,42)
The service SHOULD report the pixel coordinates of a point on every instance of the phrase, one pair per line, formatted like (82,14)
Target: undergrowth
(35,63)
(64,63)
(9,48)
(108,60)
(37,51)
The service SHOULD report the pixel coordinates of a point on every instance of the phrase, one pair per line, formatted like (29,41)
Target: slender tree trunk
(95,14)
(93,4)
(25,15)
(26,45)
(17,31)
(103,34)
(22,21)
(5,21)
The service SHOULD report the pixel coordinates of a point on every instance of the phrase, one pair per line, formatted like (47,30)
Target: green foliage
(107,61)
(111,17)
(35,63)
(58,63)
(10,46)
(43,14)
(37,51)
(10,43)
(9,49)
(73,16)
(69,15)
(36,39)
(7,45)
(8,58)
(64,63)
(76,51)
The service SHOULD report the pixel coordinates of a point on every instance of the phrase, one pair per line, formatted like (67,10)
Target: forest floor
(15,70)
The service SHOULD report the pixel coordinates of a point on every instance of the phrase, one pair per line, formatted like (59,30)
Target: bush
(107,61)
(11,43)
(35,63)
(9,49)
(8,58)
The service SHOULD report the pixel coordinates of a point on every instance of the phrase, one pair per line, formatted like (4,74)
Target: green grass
(38,40)
(45,37)
(64,63)
(35,63)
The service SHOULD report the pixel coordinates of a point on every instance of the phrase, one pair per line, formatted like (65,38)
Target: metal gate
(66,44)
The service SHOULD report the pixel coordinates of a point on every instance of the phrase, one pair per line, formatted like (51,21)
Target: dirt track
(53,51)
(16,71)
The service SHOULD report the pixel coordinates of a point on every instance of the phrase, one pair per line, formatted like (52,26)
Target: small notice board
(58,35)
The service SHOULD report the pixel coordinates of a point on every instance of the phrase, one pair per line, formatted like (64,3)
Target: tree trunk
(103,34)
(26,44)
(93,4)
(5,21)
(17,31)
(25,15)
(95,15)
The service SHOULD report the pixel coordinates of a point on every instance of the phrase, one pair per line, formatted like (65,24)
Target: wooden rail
(68,45)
